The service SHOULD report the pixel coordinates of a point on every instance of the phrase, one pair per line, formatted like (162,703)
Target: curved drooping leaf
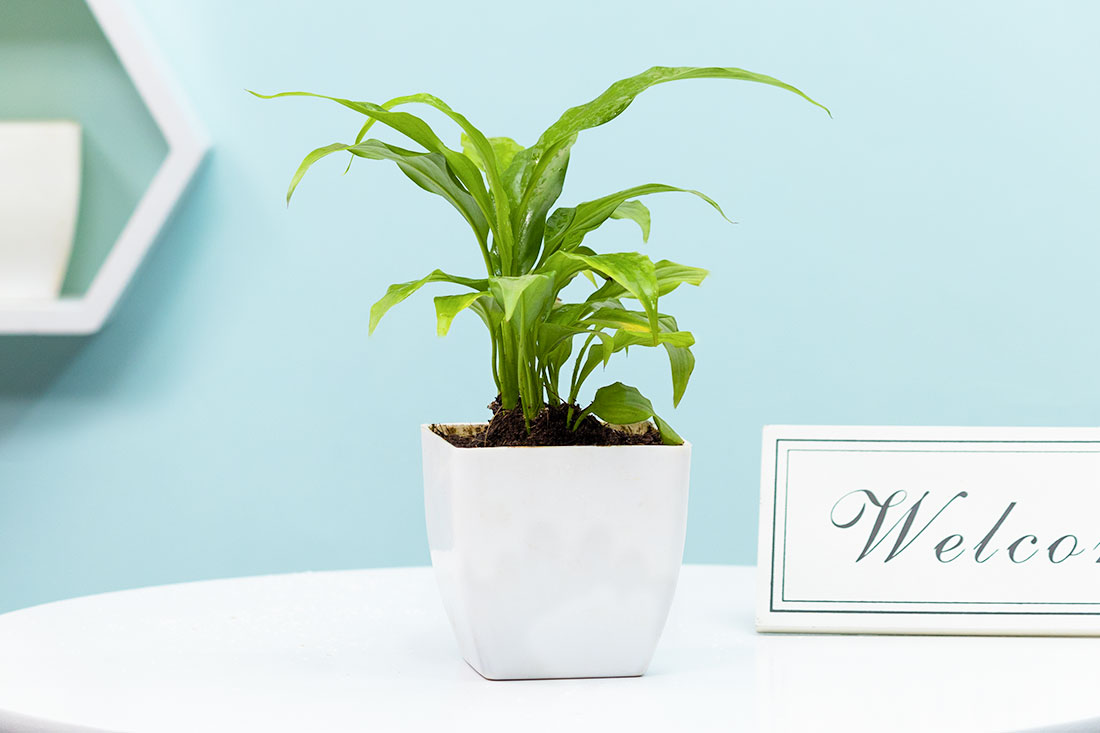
(369,123)
(634,272)
(616,98)
(420,132)
(487,155)
(567,314)
(427,170)
(567,227)
(676,343)
(564,267)
(430,172)
(668,435)
(399,291)
(670,275)
(682,363)
(552,334)
(504,149)
(619,318)
(489,311)
(621,404)
(449,306)
(388,104)
(523,298)
(307,163)
(637,212)
(626,337)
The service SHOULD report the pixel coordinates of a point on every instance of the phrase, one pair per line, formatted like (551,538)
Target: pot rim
(426,428)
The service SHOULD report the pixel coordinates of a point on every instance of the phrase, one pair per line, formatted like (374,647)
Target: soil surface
(506,428)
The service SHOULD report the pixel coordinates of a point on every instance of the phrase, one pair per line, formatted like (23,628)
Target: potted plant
(556,529)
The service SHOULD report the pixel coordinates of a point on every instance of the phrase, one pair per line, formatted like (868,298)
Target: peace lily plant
(555,562)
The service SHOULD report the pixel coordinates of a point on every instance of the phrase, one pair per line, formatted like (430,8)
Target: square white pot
(40,167)
(557,561)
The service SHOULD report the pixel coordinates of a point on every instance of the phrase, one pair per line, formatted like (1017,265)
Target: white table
(371,650)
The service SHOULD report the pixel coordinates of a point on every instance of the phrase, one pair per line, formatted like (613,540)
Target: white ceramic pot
(40,168)
(558,561)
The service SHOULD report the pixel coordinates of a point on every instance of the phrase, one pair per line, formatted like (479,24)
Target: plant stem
(493,359)
(574,387)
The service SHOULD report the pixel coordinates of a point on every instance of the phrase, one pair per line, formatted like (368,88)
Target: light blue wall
(929,256)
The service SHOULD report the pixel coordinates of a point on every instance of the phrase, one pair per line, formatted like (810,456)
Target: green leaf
(625,338)
(682,363)
(399,291)
(621,404)
(670,276)
(504,149)
(619,95)
(552,334)
(612,102)
(388,104)
(668,435)
(430,172)
(308,162)
(620,318)
(490,313)
(449,306)
(539,195)
(524,299)
(567,314)
(634,272)
(637,212)
(485,152)
(567,227)
(420,132)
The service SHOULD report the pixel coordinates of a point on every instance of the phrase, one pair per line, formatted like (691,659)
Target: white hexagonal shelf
(187,146)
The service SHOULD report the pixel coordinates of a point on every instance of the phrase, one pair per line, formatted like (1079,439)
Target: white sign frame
(816,535)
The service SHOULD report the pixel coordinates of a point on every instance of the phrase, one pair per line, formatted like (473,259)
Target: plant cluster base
(549,428)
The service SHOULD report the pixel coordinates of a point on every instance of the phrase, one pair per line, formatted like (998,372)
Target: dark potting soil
(506,428)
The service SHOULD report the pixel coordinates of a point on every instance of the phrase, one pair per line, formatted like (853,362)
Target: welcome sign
(930,530)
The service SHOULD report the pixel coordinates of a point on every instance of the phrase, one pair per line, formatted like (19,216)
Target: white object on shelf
(186,148)
(568,572)
(40,168)
(371,650)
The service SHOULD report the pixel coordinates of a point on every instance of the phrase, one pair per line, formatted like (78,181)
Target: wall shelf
(187,146)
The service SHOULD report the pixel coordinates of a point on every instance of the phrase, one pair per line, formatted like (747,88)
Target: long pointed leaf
(567,227)
(619,95)
(634,272)
(449,306)
(399,291)
(504,150)
(682,363)
(637,212)
(670,275)
(308,162)
(420,132)
(616,98)
(524,299)
(621,404)
(431,172)
(539,195)
(488,159)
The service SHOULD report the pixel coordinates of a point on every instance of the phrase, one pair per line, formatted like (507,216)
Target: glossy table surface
(371,650)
